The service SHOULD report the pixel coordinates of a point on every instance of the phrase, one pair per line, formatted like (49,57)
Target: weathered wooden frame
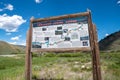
(61,49)
(93,45)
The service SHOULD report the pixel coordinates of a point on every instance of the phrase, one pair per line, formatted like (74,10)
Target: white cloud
(21,42)
(8,33)
(38,1)
(9,7)
(24,44)
(16,38)
(10,23)
(106,34)
(13,43)
(18,42)
(118,2)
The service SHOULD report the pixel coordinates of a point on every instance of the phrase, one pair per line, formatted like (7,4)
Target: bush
(34,55)
(70,54)
(50,55)
(2,67)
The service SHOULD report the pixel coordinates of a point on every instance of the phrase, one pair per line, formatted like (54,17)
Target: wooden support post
(94,50)
(96,54)
(28,58)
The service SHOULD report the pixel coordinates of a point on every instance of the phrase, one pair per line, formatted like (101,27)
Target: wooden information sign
(74,32)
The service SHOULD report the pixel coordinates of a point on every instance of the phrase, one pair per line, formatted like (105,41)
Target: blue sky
(15,15)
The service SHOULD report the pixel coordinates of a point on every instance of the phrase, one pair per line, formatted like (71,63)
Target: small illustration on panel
(65,30)
(85,43)
(67,39)
(84,38)
(58,32)
(36,45)
(44,29)
(74,36)
(59,28)
(46,38)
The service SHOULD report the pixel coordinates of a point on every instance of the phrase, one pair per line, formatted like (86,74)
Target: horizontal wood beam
(62,49)
(61,17)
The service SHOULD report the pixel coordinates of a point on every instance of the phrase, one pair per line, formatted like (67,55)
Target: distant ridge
(6,48)
(111,42)
(21,46)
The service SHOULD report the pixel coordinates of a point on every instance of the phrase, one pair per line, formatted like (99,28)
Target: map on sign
(62,33)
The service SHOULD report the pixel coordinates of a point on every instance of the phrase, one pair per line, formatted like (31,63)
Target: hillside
(6,48)
(111,42)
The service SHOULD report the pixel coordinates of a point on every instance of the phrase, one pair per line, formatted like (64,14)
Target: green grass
(69,66)
(11,68)
(111,65)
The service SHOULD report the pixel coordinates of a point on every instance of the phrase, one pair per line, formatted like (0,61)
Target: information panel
(61,33)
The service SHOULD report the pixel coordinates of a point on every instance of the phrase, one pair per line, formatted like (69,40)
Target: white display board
(63,33)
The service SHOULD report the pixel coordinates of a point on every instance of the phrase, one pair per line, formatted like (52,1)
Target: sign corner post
(28,57)
(94,49)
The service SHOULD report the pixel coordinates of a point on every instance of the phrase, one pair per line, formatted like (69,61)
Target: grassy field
(69,66)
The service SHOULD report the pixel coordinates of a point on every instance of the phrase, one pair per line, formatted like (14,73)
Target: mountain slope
(6,48)
(111,42)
